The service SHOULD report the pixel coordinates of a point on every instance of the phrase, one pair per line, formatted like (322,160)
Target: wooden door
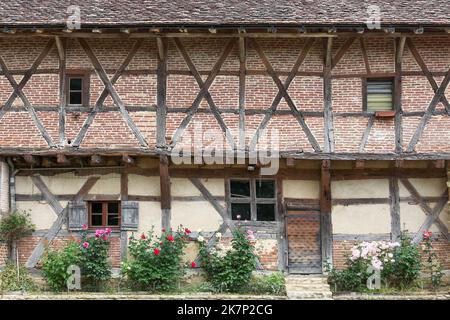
(303,235)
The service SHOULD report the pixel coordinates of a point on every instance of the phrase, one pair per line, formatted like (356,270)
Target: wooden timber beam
(399,48)
(276,101)
(113,93)
(128,160)
(124,196)
(326,232)
(60,212)
(327,91)
(201,94)
(161,94)
(428,113)
(166,198)
(62,47)
(394,201)
(295,112)
(242,78)
(208,97)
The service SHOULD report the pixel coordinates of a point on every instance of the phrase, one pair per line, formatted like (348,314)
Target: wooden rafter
(61,214)
(283,90)
(18,91)
(202,93)
(112,92)
(209,99)
(365,56)
(428,113)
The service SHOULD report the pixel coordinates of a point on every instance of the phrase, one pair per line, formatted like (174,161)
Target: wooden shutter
(78,215)
(130,215)
(379,95)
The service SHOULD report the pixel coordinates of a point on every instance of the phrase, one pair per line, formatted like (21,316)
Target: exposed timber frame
(166,198)
(161,93)
(61,214)
(326,231)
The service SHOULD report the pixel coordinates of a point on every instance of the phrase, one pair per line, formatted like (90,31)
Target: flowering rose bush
(156,262)
(229,270)
(431,264)
(397,262)
(94,256)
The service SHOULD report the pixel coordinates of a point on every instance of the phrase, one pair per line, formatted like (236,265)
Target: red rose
(427,234)
(187,231)
(170,238)
(193,264)
(143,236)
(156,251)
(163,230)
(105,238)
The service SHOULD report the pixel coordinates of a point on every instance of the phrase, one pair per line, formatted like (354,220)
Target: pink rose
(85,245)
(84,227)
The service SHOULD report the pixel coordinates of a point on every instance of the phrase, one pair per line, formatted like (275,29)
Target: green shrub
(229,270)
(55,264)
(267,284)
(94,257)
(156,262)
(13,227)
(406,269)
(13,278)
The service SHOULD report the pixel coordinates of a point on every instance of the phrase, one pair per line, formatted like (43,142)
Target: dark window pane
(75,98)
(265,212)
(96,220)
(240,188)
(242,210)
(76,84)
(113,220)
(96,207)
(113,207)
(265,189)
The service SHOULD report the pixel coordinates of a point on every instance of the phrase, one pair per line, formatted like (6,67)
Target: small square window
(240,189)
(241,211)
(379,95)
(265,189)
(265,212)
(104,214)
(77,87)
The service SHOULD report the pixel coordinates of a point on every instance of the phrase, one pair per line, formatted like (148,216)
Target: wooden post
(399,47)
(327,97)
(161,89)
(394,199)
(62,47)
(123,233)
(281,228)
(325,213)
(242,76)
(166,198)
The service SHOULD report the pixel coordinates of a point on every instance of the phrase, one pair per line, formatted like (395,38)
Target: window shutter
(379,95)
(77,215)
(130,215)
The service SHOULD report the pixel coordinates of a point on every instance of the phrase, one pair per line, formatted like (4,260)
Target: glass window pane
(96,207)
(75,98)
(265,189)
(242,210)
(240,188)
(113,207)
(96,220)
(113,220)
(76,84)
(265,212)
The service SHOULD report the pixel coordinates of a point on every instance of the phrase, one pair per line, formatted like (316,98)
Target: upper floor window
(379,95)
(104,214)
(77,88)
(252,199)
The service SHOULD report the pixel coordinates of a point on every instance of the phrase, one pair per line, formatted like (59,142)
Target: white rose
(218,235)
(200,239)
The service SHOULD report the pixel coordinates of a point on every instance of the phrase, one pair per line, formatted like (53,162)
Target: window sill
(385,114)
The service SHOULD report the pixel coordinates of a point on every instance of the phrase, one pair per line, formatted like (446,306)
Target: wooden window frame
(252,199)
(104,214)
(364,92)
(85,75)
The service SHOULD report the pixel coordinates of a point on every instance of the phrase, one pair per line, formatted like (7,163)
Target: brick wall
(26,246)
(3,253)
(138,89)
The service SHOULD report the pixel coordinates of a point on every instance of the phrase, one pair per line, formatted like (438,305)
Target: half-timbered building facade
(152,114)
